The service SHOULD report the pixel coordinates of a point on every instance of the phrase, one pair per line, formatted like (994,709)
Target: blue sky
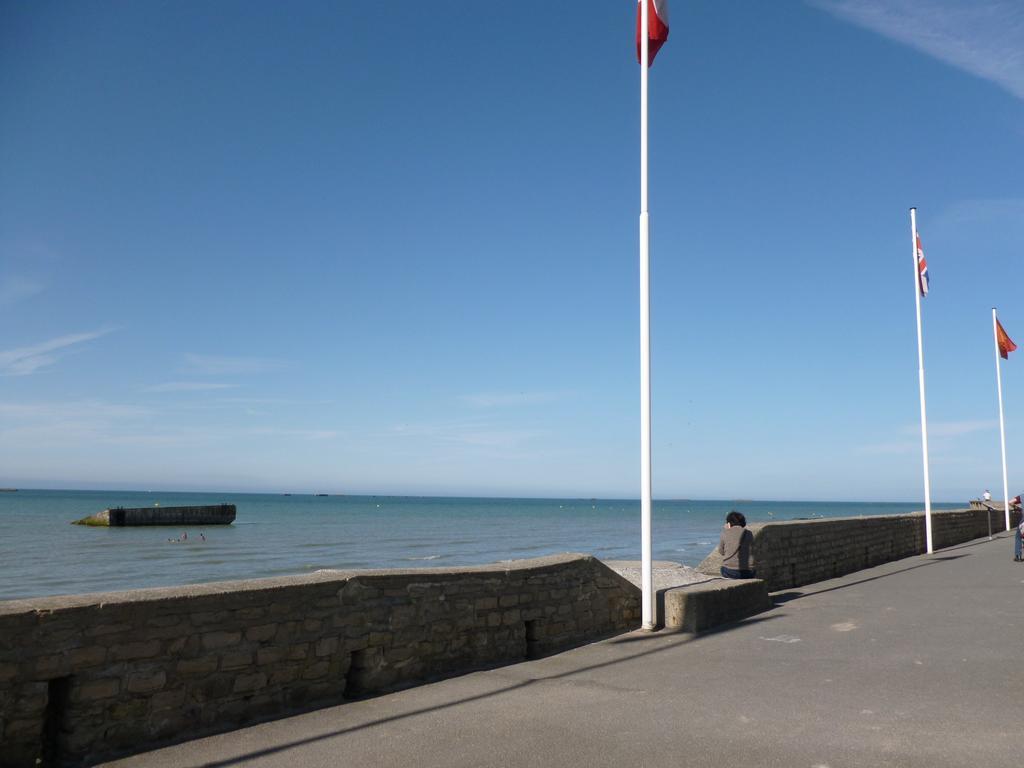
(391,247)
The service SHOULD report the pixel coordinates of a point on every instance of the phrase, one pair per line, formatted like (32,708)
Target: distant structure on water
(214,514)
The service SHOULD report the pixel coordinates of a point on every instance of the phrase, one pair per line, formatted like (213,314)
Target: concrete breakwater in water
(213,514)
(84,678)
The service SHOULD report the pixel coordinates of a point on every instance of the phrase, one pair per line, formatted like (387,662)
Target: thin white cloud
(982,37)
(14,289)
(221,365)
(939,434)
(66,423)
(77,410)
(91,422)
(270,401)
(302,434)
(478,435)
(1002,211)
(188,386)
(507,399)
(896,447)
(197,435)
(941,429)
(23,361)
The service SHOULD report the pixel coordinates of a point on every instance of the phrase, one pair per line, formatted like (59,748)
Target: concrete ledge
(700,607)
(665,574)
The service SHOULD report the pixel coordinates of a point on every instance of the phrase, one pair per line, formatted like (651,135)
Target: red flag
(1005,343)
(657,28)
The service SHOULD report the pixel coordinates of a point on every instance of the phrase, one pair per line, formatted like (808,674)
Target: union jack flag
(922,269)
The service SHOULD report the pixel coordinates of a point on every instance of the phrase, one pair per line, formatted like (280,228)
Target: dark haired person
(734,547)
(1018,538)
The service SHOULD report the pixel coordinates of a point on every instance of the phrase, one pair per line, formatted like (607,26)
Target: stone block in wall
(261,632)
(147,681)
(51,665)
(236,660)
(217,639)
(206,618)
(88,656)
(298,651)
(195,667)
(102,630)
(282,675)
(167,700)
(211,688)
(129,709)
(97,689)
(326,646)
(249,683)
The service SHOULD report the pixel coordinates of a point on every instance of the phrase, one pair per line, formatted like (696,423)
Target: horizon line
(339,494)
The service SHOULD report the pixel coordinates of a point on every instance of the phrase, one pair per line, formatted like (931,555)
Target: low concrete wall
(85,678)
(792,553)
(699,607)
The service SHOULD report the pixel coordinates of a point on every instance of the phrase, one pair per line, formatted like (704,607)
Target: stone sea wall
(792,553)
(89,677)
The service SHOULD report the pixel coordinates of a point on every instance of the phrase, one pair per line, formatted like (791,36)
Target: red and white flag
(922,269)
(657,27)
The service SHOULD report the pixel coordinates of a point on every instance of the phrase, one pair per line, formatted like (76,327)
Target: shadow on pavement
(639,637)
(672,640)
(978,542)
(781,598)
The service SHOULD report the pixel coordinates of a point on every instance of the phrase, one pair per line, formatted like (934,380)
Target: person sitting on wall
(1015,503)
(734,547)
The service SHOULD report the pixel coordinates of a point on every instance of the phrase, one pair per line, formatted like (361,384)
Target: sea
(41,553)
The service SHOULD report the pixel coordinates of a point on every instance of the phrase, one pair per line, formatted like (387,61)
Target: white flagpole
(646,568)
(1002,428)
(920,376)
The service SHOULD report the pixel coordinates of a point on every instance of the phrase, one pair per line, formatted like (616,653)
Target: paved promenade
(914,663)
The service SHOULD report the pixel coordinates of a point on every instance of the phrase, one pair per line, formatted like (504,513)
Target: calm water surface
(41,554)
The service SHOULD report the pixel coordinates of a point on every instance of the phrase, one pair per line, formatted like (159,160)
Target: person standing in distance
(986,496)
(734,546)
